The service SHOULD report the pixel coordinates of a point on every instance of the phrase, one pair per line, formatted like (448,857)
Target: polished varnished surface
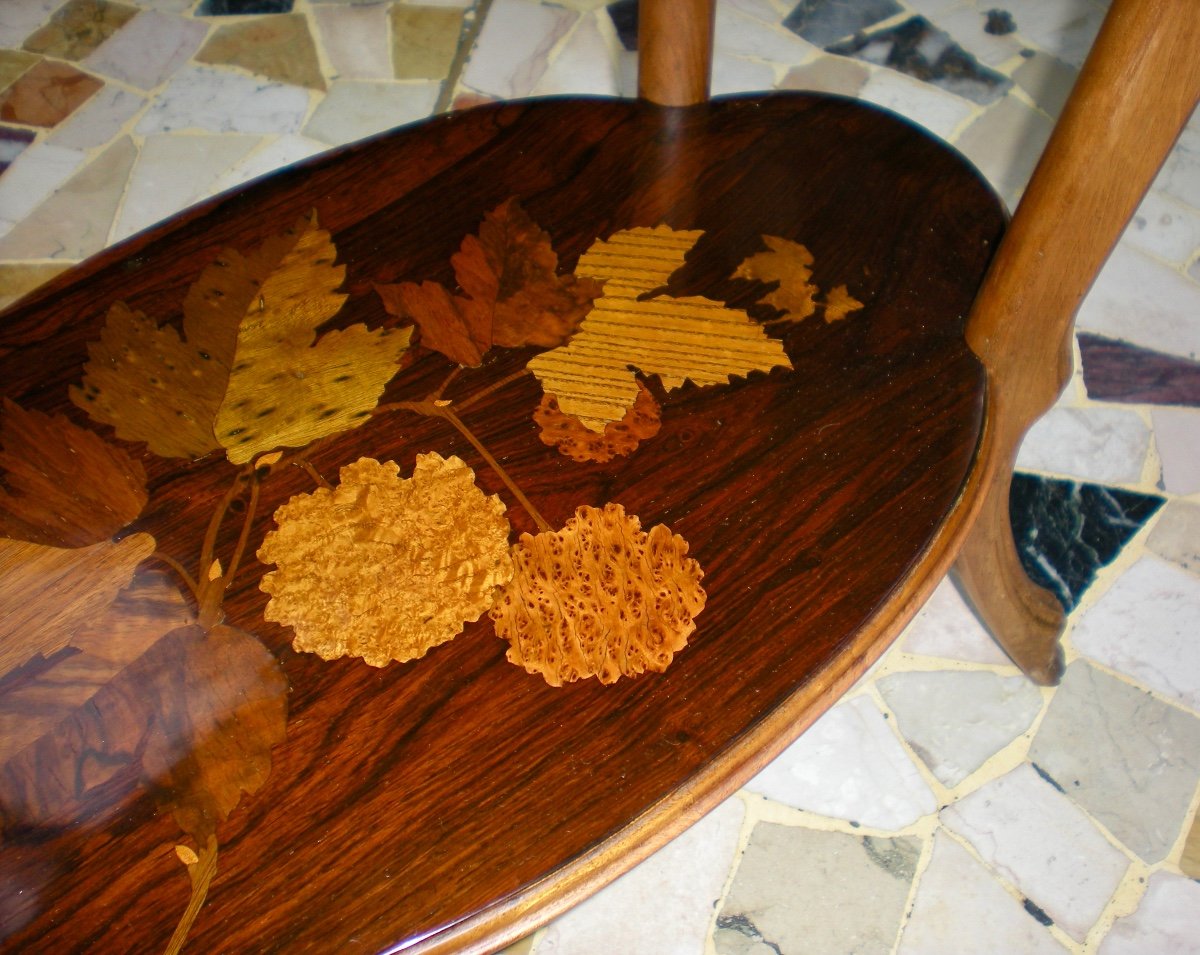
(407,799)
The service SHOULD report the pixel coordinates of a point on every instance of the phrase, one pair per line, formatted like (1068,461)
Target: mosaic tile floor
(945,805)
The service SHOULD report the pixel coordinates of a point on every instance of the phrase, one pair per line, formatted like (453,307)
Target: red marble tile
(1117,371)
(47,94)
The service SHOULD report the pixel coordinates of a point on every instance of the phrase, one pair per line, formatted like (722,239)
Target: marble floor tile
(1166,228)
(17,281)
(1062,27)
(220,8)
(1180,175)
(1129,759)
(99,120)
(511,53)
(19,18)
(1005,143)
(13,142)
(1095,443)
(624,17)
(825,22)
(662,907)
(33,176)
(966,26)
(280,48)
(13,65)
(1042,843)
(800,891)
(1143,301)
(1189,859)
(284,151)
(946,627)
(584,65)
(78,27)
(149,50)
(1145,626)
(1066,531)
(46,94)
(956,721)
(203,98)
(961,908)
(1177,437)
(355,40)
(75,222)
(172,172)
(935,109)
(739,34)
(849,765)
(424,41)
(1117,371)
(827,74)
(735,74)
(1167,920)
(1047,80)
(1176,535)
(353,109)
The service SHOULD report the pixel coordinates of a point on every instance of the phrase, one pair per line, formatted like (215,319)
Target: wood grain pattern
(455,802)
(675,42)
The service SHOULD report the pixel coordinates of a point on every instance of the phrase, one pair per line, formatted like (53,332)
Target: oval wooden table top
(676,401)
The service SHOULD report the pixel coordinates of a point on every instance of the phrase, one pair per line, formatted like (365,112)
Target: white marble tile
(955,721)
(354,109)
(1005,142)
(1043,844)
(1177,437)
(1167,920)
(764,10)
(75,222)
(1146,626)
(738,34)
(663,906)
(356,40)
(1166,228)
(511,53)
(585,65)
(936,8)
(98,120)
(735,74)
(218,101)
(1130,759)
(938,111)
(965,27)
(148,49)
(1140,300)
(275,155)
(1065,28)
(1095,443)
(1180,175)
(19,18)
(173,172)
(32,177)
(961,908)
(849,765)
(947,627)
(1047,80)
(1176,535)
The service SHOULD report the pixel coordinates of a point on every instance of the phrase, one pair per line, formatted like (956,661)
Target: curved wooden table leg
(1137,89)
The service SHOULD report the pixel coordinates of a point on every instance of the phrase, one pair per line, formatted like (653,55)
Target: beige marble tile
(514,45)
(424,41)
(18,280)
(74,222)
(279,47)
(828,74)
(13,65)
(356,108)
(152,48)
(78,27)
(355,40)
(47,94)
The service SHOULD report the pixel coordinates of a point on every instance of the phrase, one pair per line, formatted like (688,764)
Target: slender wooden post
(1137,89)
(675,39)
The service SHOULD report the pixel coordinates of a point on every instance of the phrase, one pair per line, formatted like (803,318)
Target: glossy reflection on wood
(457,799)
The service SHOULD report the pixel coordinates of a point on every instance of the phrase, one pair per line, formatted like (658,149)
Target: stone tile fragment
(1066,531)
(584,66)
(1176,535)
(736,74)
(74,222)
(1146,626)
(98,120)
(353,109)
(828,74)
(1165,227)
(1166,920)
(13,142)
(798,891)
(1117,371)
(78,27)
(624,16)
(1177,437)
(1180,175)
(1130,760)
(956,720)
(849,765)
(1006,143)
(279,48)
(33,176)
(355,40)
(665,904)
(47,94)
(1041,842)
(218,101)
(961,908)
(1095,443)
(18,20)
(938,111)
(18,280)
(14,64)
(150,50)
(220,8)
(174,171)
(947,627)
(424,41)
(1065,28)
(824,22)
(741,34)
(967,27)
(512,51)
(284,151)
(1047,80)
